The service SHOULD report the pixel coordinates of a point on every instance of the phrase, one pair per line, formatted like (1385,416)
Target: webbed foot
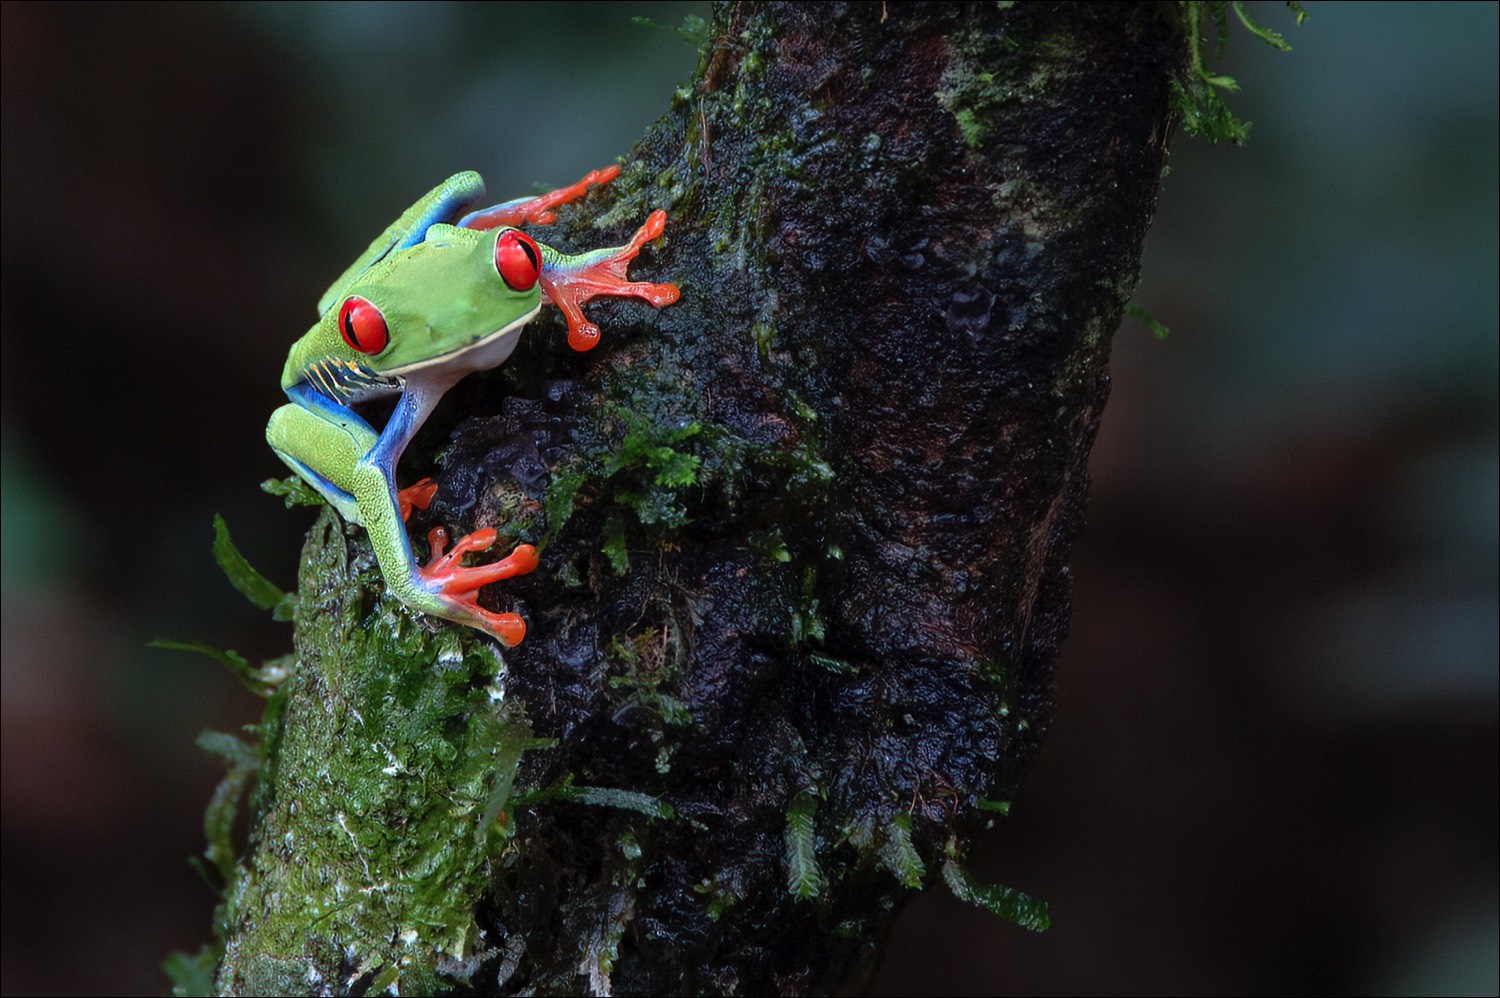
(457,587)
(570,281)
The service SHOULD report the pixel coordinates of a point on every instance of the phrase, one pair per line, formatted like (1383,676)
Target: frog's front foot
(457,587)
(570,281)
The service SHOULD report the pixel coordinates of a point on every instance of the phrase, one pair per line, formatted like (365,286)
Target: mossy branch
(806,535)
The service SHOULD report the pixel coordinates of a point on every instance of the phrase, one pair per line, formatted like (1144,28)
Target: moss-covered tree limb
(805,535)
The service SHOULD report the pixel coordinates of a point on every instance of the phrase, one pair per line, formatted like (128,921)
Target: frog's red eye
(362,325)
(518,259)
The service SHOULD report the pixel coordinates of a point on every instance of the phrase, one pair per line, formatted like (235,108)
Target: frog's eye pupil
(518,260)
(362,325)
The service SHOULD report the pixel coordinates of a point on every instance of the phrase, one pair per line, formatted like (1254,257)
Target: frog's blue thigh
(323,452)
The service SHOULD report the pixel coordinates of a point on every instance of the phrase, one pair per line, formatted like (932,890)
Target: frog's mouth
(490,350)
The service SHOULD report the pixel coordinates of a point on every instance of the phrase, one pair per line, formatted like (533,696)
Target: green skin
(448,313)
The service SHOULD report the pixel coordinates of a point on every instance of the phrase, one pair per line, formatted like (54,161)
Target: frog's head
(451,304)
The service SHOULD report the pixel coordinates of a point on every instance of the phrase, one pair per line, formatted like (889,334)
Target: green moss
(396,750)
(693,29)
(1200,94)
(616,546)
(241,763)
(837,666)
(251,584)
(970,126)
(1140,311)
(886,841)
(804,880)
(720,895)
(1006,902)
(972,92)
(627,800)
(601,937)
(898,855)
(192,975)
(808,624)
(643,480)
(649,661)
(238,666)
(561,498)
(293,491)
(984,98)
(771,544)
(996,673)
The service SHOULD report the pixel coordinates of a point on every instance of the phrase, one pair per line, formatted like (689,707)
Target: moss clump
(378,817)
(1200,92)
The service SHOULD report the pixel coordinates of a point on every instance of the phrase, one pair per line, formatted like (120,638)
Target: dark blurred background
(1273,767)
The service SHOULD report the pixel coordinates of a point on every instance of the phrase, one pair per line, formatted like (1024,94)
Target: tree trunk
(804,535)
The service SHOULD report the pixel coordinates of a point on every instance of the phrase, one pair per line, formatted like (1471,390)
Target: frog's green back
(441,204)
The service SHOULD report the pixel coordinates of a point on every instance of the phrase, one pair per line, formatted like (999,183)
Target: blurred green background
(1274,764)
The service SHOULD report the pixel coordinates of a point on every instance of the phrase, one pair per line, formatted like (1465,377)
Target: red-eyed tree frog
(438,295)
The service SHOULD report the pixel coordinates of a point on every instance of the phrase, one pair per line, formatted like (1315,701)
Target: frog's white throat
(484,353)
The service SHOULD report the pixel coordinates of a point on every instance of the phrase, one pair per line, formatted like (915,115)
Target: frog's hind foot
(457,587)
(416,496)
(538,210)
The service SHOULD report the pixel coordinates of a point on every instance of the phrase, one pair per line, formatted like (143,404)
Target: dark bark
(845,469)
